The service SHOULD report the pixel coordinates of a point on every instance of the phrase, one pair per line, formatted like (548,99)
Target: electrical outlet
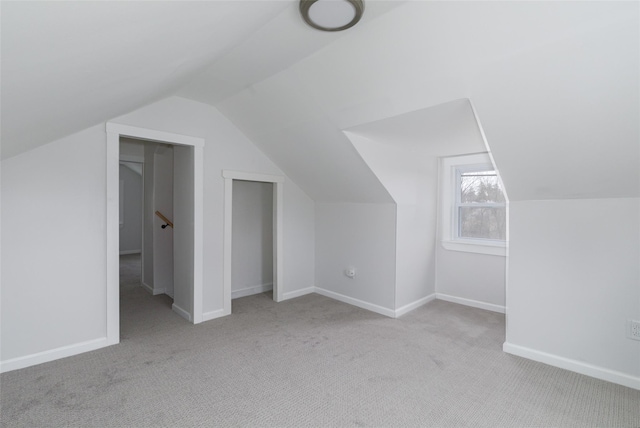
(633,329)
(350,272)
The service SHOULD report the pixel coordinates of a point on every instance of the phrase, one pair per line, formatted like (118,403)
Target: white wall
(579,260)
(411,178)
(148,212)
(471,278)
(69,174)
(162,201)
(227,148)
(360,236)
(299,232)
(183,220)
(53,248)
(131,229)
(252,242)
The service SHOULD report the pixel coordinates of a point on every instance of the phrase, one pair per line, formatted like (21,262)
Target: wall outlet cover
(633,329)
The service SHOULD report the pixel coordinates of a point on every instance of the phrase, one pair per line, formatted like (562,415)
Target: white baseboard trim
(573,365)
(211,315)
(184,314)
(298,293)
(125,252)
(249,291)
(355,302)
(154,292)
(472,303)
(415,305)
(53,354)
(147,287)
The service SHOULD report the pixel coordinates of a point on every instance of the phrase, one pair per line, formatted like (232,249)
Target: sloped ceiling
(448,129)
(555,84)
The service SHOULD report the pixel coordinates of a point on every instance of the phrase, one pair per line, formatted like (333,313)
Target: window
(474,213)
(480,206)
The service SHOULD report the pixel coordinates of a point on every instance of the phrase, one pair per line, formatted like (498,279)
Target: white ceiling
(447,129)
(555,84)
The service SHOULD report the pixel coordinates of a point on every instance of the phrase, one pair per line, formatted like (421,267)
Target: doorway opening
(177,271)
(252,236)
(240,186)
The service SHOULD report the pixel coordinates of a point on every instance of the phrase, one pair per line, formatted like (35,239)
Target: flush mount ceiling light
(331,15)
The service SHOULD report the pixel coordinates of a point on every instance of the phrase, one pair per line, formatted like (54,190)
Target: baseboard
(298,293)
(53,354)
(249,291)
(573,365)
(149,289)
(211,315)
(472,303)
(355,302)
(125,252)
(415,305)
(184,314)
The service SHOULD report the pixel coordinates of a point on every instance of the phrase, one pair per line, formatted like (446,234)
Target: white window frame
(450,170)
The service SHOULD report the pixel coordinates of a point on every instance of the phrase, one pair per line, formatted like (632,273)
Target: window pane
(482,222)
(479,187)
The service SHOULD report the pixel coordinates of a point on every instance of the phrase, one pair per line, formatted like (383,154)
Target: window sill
(476,247)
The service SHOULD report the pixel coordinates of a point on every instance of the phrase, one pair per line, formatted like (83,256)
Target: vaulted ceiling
(555,84)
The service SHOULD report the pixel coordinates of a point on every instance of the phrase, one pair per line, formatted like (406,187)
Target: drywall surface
(149,213)
(361,236)
(252,243)
(69,174)
(410,177)
(472,276)
(131,150)
(227,148)
(299,233)
(183,216)
(131,227)
(524,65)
(415,252)
(162,201)
(574,280)
(53,245)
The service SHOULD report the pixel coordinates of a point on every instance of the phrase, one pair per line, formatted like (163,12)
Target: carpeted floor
(310,361)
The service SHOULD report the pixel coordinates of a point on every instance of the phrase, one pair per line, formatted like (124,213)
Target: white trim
(226,246)
(473,303)
(113,238)
(250,291)
(131,158)
(415,305)
(250,176)
(184,314)
(198,232)
(125,252)
(356,302)
(114,131)
(278,232)
(573,365)
(298,293)
(139,133)
(447,216)
(147,287)
(476,247)
(208,316)
(52,354)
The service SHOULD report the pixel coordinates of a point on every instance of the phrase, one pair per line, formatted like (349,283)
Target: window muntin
(480,207)
(452,203)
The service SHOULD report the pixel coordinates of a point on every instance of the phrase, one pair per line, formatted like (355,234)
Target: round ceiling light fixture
(331,15)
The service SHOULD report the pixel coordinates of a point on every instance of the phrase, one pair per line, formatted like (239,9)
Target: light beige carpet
(310,361)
